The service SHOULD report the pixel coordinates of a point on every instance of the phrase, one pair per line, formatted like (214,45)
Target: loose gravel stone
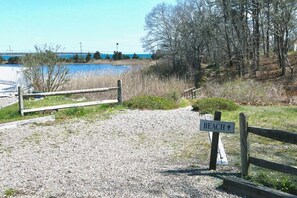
(129,155)
(7,100)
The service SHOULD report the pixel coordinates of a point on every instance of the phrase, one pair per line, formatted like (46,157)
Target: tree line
(228,34)
(76,58)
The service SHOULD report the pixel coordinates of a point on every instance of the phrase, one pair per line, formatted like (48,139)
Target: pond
(11,74)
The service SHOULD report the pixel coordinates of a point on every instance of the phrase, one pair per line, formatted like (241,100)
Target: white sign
(217,126)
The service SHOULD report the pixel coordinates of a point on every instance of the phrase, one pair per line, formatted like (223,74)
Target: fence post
(21,101)
(244,144)
(120,96)
(214,144)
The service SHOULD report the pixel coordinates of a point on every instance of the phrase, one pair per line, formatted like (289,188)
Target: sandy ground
(131,154)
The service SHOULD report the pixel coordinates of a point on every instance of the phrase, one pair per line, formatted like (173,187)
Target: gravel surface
(131,154)
(7,100)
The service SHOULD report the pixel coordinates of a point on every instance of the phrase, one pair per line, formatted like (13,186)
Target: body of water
(11,75)
(71,55)
(77,68)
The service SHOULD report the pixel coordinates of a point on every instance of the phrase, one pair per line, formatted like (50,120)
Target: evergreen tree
(135,56)
(97,55)
(107,57)
(76,58)
(117,55)
(88,57)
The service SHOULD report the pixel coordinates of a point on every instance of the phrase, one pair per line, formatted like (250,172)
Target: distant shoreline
(128,62)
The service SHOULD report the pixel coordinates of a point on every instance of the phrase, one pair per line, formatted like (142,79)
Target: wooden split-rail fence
(246,159)
(21,97)
(190,93)
(249,189)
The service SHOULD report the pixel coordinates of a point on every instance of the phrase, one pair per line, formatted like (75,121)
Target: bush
(150,102)
(209,105)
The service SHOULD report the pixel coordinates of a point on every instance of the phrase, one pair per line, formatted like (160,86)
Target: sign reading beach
(217,126)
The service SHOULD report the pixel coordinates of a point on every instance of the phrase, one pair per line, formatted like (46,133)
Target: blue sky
(97,24)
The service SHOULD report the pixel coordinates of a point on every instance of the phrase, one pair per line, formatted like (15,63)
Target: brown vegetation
(131,62)
(134,83)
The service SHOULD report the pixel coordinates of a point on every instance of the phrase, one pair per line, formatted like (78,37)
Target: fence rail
(190,93)
(21,97)
(278,135)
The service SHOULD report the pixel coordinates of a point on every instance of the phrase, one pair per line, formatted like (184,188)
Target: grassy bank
(274,117)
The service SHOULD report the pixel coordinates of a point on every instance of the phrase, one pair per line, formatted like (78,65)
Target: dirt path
(132,154)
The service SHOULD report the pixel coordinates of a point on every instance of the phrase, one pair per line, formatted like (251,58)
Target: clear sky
(97,24)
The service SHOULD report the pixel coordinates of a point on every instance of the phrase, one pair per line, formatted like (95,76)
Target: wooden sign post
(214,145)
(216,126)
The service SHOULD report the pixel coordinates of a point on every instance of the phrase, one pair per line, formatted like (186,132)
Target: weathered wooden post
(216,126)
(120,96)
(244,144)
(21,101)
(214,144)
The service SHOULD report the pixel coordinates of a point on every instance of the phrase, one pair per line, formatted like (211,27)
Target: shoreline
(126,62)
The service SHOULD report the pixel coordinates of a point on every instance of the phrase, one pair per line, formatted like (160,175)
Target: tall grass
(246,92)
(135,83)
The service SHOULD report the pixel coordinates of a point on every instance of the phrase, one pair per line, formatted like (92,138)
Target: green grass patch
(210,105)
(11,113)
(279,181)
(150,102)
(9,192)
(272,117)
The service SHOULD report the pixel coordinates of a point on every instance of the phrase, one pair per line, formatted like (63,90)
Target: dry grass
(134,83)
(246,92)
(131,62)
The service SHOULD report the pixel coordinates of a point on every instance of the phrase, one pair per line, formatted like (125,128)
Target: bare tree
(229,33)
(44,70)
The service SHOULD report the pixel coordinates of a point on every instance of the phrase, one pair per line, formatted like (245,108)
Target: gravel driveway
(132,154)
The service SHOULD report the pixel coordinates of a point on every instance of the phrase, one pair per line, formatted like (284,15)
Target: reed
(135,83)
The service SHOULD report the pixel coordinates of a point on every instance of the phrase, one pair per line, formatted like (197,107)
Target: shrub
(150,102)
(209,105)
